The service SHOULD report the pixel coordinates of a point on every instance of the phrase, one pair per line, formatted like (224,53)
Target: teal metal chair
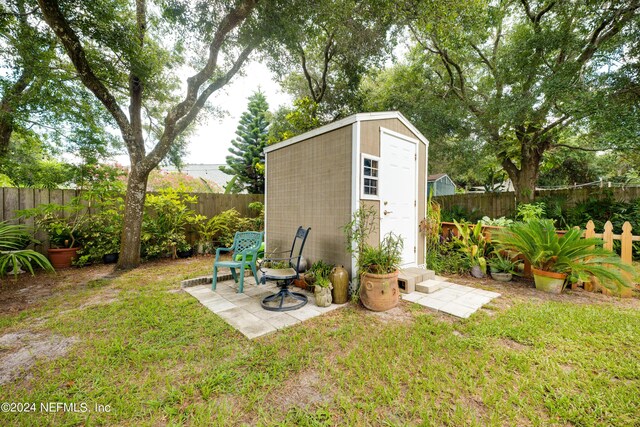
(246,245)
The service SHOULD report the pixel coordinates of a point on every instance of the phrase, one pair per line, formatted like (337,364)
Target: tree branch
(71,43)
(608,28)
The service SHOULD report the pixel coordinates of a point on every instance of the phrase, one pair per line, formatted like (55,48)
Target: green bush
(164,226)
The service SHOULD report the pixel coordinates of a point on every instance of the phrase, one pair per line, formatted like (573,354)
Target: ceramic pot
(501,277)
(110,258)
(339,278)
(62,258)
(379,292)
(548,281)
(323,296)
(476,272)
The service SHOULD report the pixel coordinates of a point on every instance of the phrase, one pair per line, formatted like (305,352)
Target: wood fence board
(2,217)
(11,203)
(27,201)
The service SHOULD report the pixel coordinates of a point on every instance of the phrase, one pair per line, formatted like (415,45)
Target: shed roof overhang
(361,117)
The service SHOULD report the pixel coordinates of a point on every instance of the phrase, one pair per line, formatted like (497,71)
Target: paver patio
(244,312)
(451,298)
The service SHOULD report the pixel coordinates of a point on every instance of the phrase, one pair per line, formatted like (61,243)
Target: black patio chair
(284,271)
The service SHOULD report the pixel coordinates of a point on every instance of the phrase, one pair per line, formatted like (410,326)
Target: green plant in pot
(377,265)
(13,252)
(472,242)
(322,291)
(62,224)
(557,260)
(502,267)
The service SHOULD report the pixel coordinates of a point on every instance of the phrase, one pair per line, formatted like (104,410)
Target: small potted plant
(556,260)
(472,242)
(61,223)
(502,267)
(322,291)
(377,265)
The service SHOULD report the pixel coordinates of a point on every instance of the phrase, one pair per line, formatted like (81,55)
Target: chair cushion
(279,273)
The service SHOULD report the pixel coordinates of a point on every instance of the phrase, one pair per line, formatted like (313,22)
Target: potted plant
(502,267)
(556,260)
(62,224)
(377,265)
(322,291)
(13,252)
(472,242)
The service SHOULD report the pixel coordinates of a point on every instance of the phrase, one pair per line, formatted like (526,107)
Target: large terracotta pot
(379,292)
(548,281)
(62,258)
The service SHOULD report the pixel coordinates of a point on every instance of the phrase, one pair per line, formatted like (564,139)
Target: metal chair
(246,245)
(285,276)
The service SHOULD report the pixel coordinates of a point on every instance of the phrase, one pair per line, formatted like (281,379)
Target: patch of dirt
(102,298)
(21,350)
(476,406)
(398,314)
(302,390)
(511,344)
(27,290)
(524,289)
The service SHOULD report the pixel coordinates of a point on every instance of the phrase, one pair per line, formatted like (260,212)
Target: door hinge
(414,249)
(415,157)
(414,203)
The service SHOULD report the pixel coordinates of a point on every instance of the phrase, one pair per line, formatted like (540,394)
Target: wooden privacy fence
(209,204)
(495,205)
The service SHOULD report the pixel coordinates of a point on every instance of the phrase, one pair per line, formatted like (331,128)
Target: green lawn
(160,358)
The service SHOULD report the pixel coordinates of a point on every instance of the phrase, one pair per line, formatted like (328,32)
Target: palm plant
(579,258)
(13,254)
(473,243)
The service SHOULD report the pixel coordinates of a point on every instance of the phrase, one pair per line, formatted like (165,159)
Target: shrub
(166,216)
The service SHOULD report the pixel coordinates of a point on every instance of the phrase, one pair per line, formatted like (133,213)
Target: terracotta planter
(62,258)
(548,281)
(379,292)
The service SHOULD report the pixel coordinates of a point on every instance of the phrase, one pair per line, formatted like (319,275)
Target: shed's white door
(398,190)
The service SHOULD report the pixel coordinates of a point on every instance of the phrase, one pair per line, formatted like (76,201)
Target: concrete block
(429,286)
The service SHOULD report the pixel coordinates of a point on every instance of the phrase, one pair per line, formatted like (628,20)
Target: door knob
(387,212)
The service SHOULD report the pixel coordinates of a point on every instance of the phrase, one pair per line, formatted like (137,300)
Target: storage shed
(440,185)
(318,179)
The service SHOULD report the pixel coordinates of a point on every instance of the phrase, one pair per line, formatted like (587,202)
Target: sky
(211,142)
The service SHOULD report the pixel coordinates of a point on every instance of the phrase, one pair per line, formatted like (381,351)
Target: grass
(160,358)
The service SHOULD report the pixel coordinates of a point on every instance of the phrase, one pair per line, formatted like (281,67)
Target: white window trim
(364,196)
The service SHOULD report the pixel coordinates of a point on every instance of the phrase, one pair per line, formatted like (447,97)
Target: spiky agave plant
(12,254)
(580,258)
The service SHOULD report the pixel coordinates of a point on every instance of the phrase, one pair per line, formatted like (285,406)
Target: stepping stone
(409,277)
(430,286)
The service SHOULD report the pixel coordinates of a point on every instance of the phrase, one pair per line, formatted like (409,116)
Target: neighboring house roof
(209,172)
(436,177)
(347,121)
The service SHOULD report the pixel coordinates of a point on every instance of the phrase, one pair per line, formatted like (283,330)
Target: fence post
(590,230)
(627,243)
(607,236)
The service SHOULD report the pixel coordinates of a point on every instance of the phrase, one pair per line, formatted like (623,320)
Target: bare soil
(19,351)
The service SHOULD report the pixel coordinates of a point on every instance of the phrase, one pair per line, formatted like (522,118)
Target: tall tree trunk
(133,213)
(525,177)
(8,108)
(524,182)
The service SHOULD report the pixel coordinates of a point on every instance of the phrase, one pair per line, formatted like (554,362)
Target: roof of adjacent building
(360,117)
(436,176)
(210,172)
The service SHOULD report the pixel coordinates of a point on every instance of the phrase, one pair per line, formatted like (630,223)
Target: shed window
(370,170)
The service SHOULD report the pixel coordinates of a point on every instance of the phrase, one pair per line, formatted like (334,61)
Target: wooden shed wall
(309,184)
(370,144)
